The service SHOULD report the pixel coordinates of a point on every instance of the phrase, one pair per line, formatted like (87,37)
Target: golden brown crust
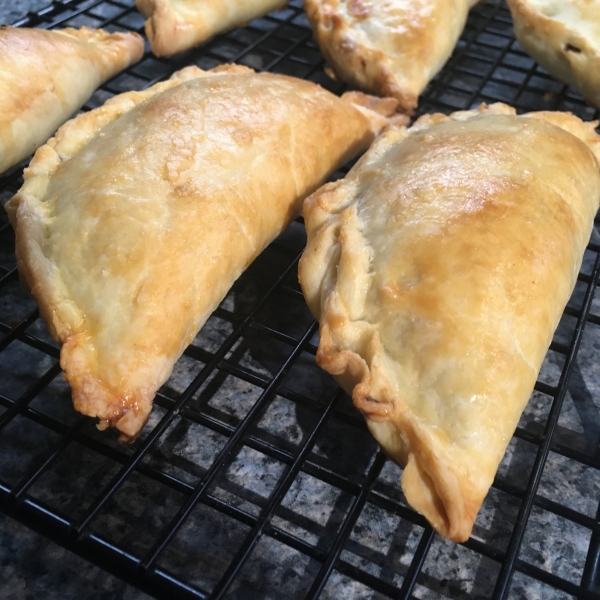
(564,43)
(439,268)
(129,234)
(45,76)
(389,49)
(173,26)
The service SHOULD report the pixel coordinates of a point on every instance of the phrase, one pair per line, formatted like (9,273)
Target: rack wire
(255,477)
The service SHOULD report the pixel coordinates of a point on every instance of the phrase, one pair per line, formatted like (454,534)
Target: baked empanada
(390,48)
(439,269)
(134,221)
(563,36)
(45,76)
(173,26)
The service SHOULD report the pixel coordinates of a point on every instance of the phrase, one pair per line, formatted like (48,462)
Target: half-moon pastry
(389,48)
(45,76)
(563,36)
(135,220)
(439,269)
(173,26)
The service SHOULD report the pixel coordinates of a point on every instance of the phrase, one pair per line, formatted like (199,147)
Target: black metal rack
(255,477)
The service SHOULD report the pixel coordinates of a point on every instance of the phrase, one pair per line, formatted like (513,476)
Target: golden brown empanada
(390,48)
(564,37)
(45,76)
(134,221)
(176,25)
(439,269)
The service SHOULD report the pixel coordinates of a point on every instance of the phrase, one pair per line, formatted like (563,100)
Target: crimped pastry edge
(161,26)
(429,483)
(548,41)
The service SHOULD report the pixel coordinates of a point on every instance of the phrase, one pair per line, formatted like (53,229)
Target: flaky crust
(134,221)
(388,48)
(173,26)
(563,36)
(439,269)
(45,76)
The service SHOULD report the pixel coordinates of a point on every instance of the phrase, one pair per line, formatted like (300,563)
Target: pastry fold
(45,76)
(173,26)
(439,269)
(392,48)
(135,220)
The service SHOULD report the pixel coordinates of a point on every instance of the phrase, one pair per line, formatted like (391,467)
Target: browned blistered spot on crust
(360,9)
(243,137)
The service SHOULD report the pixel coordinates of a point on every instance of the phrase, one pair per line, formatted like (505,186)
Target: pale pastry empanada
(45,76)
(176,25)
(388,47)
(134,221)
(563,36)
(439,269)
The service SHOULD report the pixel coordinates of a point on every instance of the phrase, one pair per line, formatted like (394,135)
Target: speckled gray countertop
(13,10)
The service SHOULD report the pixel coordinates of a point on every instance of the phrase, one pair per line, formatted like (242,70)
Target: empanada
(45,76)
(388,47)
(439,269)
(563,36)
(134,221)
(173,26)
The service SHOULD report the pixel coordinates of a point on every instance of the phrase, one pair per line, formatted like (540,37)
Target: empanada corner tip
(382,106)
(123,438)
(381,111)
(399,120)
(450,508)
(129,40)
(127,414)
(331,73)
(131,424)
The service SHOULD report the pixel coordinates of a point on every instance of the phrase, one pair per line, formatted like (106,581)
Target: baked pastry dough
(439,269)
(390,48)
(45,76)
(134,221)
(173,26)
(564,37)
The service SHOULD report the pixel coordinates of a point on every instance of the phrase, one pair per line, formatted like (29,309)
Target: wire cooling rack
(255,477)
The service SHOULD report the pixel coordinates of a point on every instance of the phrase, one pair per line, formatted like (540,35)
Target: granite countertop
(11,11)
(33,567)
